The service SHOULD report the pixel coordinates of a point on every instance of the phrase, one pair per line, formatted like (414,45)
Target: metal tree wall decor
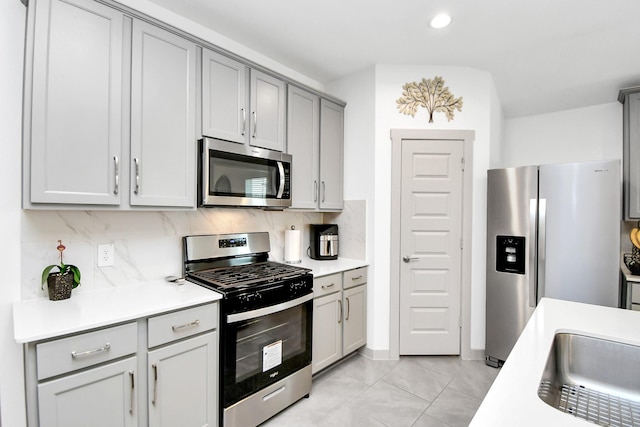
(430,94)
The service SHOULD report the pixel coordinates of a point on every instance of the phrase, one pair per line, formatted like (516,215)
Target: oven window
(265,342)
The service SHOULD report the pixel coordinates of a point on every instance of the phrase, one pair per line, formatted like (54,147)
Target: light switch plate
(106,255)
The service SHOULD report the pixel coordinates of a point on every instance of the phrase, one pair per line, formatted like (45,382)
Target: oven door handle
(239,317)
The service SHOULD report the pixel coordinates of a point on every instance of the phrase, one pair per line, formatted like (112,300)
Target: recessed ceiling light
(440,21)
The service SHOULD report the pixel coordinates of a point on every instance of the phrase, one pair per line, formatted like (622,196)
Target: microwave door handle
(281,180)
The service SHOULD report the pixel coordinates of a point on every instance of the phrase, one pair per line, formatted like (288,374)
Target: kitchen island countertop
(39,319)
(513,397)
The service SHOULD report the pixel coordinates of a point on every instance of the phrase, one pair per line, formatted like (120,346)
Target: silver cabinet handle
(255,124)
(324,191)
(328,286)
(116,175)
(155,383)
(407,258)
(244,121)
(340,316)
(132,403)
(357,277)
(137,163)
(348,310)
(105,347)
(186,325)
(315,191)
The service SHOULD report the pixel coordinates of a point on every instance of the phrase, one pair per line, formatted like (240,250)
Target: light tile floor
(415,391)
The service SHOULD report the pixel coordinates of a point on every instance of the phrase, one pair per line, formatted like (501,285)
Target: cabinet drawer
(635,293)
(327,284)
(355,277)
(80,351)
(181,324)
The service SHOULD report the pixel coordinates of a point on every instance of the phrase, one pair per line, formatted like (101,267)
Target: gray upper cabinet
(229,113)
(163,110)
(76,103)
(631,151)
(268,104)
(315,139)
(303,143)
(111,119)
(331,155)
(224,97)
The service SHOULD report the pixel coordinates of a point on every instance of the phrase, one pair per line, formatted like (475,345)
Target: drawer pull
(328,286)
(357,277)
(186,325)
(133,386)
(155,383)
(105,347)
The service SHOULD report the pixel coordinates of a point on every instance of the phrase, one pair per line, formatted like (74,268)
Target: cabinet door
(163,105)
(331,155)
(183,383)
(327,331)
(355,319)
(224,98)
(267,111)
(100,397)
(632,156)
(303,141)
(76,105)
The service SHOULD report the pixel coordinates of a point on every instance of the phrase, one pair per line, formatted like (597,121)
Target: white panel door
(76,135)
(163,106)
(224,98)
(431,232)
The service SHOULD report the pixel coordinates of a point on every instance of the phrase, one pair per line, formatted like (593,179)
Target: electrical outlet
(106,255)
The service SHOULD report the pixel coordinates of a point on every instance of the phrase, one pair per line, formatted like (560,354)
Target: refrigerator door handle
(542,246)
(533,255)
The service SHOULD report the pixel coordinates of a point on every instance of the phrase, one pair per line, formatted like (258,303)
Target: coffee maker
(323,241)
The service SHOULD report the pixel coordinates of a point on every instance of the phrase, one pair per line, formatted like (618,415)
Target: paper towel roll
(292,246)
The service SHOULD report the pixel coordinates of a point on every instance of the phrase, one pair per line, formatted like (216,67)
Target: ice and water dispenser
(510,254)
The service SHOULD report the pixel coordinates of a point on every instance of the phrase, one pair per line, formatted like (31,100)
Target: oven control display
(232,243)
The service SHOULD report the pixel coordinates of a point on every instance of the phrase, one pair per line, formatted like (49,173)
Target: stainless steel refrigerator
(552,231)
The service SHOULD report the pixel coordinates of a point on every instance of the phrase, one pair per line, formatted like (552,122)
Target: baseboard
(473,354)
(375,354)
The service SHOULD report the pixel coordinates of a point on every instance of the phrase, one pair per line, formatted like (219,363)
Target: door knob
(407,258)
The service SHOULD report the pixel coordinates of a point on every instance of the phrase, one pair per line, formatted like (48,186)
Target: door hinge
(462,163)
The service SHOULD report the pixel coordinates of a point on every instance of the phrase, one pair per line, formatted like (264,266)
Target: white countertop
(41,318)
(326,267)
(513,398)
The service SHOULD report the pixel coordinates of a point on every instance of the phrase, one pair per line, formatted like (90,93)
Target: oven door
(265,345)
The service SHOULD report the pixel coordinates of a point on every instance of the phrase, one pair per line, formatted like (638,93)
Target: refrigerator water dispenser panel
(510,254)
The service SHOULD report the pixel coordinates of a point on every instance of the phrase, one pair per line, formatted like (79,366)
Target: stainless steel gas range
(265,324)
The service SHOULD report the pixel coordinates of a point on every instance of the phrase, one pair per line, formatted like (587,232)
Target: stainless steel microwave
(232,174)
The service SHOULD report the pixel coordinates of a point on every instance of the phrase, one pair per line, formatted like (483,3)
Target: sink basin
(594,379)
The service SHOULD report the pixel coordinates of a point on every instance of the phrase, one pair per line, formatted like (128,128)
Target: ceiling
(544,55)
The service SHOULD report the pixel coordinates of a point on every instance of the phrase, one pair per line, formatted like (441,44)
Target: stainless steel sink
(594,379)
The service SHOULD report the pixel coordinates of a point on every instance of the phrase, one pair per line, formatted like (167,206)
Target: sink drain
(594,406)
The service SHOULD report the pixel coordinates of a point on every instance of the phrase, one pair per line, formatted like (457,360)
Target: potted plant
(61,283)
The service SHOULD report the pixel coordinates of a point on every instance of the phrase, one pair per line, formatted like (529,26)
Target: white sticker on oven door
(271,355)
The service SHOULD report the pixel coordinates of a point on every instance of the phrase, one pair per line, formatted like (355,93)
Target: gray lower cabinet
(157,371)
(339,316)
(242,104)
(110,109)
(631,151)
(315,139)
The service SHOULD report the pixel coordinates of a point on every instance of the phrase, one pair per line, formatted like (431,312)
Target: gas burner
(244,275)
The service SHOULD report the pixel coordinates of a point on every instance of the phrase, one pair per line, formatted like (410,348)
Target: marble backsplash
(148,245)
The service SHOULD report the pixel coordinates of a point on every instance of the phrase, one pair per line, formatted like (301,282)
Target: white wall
(480,113)
(581,134)
(12,22)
